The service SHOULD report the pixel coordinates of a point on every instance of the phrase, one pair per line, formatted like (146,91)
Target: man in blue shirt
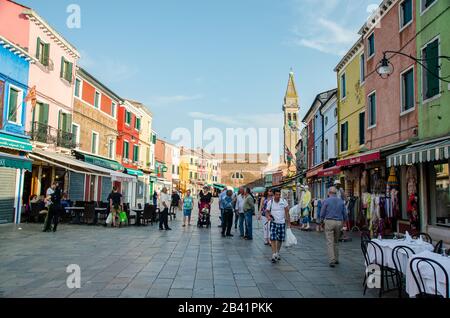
(333,214)
(222,196)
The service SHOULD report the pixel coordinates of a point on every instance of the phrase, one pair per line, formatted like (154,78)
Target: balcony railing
(49,135)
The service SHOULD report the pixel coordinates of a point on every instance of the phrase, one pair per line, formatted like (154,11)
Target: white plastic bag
(109,219)
(294,213)
(291,240)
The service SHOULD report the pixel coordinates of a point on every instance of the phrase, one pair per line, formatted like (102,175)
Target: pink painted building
(391,112)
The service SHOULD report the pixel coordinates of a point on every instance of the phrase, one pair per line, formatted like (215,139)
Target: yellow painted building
(351,113)
(351,101)
(188,171)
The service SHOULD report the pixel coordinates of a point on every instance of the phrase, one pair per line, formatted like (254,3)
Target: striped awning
(423,152)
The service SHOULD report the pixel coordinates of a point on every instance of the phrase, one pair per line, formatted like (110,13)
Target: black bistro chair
(147,215)
(386,273)
(89,213)
(438,247)
(417,273)
(397,253)
(425,237)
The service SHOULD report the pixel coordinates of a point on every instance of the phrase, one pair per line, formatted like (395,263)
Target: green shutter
(62,66)
(70,72)
(68,123)
(432,53)
(154,139)
(46,54)
(38,48)
(43,114)
(409,90)
(362,128)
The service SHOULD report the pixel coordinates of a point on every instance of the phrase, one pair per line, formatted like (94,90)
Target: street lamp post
(385,68)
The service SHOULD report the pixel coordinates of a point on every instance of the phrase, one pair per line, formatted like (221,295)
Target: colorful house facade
(14,144)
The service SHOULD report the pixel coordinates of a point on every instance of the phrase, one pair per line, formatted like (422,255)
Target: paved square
(187,262)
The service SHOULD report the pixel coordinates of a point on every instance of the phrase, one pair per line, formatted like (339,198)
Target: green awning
(15,142)
(134,172)
(219,186)
(104,163)
(422,152)
(15,162)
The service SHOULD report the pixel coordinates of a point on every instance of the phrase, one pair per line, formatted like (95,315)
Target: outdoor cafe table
(77,211)
(138,215)
(389,245)
(427,274)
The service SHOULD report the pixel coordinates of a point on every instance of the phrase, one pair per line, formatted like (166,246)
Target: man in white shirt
(239,209)
(164,204)
(278,214)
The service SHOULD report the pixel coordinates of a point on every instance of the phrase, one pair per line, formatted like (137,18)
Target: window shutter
(362,128)
(12,107)
(62,66)
(432,53)
(38,48)
(70,72)
(68,123)
(46,54)
(43,114)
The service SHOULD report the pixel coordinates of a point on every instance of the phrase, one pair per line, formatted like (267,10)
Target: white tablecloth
(428,275)
(389,245)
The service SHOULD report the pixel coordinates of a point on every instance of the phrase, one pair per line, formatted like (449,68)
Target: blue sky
(226,61)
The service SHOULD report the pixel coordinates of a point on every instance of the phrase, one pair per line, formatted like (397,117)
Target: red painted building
(391,112)
(128,126)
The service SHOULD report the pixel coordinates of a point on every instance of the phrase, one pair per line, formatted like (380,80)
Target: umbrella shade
(259,190)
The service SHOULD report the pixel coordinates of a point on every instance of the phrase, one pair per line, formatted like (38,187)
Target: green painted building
(433,40)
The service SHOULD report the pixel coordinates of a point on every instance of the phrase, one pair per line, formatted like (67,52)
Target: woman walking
(188,204)
(268,195)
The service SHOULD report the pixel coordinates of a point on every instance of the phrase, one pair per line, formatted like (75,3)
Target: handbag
(109,219)
(123,217)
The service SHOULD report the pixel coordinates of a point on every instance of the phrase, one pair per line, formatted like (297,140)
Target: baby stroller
(204,216)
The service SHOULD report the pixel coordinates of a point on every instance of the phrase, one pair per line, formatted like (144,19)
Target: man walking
(278,214)
(164,204)
(249,210)
(222,197)
(115,205)
(333,214)
(240,211)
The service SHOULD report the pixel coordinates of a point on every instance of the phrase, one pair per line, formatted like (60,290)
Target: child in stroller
(204,215)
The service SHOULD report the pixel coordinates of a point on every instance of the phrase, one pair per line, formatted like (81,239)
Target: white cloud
(329,26)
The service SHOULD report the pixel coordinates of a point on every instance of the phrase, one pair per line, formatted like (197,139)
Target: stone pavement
(186,262)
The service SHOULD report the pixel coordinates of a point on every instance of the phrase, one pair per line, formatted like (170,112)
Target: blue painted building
(14,144)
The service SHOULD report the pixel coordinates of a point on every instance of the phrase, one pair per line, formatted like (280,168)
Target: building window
(362,68)
(430,73)
(439,192)
(15,105)
(113,109)
(127,117)
(97,100)
(336,143)
(326,150)
(43,52)
(126,150)
(94,143)
(344,137)
(289,117)
(343,86)
(425,4)
(362,128)
(372,109)
(408,90)
(326,121)
(406,13)
(173,169)
(76,133)
(77,87)
(295,117)
(66,70)
(137,124)
(371,45)
(135,153)
(190,174)
(111,148)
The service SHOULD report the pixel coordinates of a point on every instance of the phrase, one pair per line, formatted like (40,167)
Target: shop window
(440,194)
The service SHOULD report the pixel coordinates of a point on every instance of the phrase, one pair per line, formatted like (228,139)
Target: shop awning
(15,162)
(133,172)
(219,186)
(422,152)
(357,160)
(333,171)
(314,172)
(99,161)
(15,143)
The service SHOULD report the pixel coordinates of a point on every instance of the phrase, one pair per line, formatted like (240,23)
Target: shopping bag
(291,240)
(109,219)
(123,217)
